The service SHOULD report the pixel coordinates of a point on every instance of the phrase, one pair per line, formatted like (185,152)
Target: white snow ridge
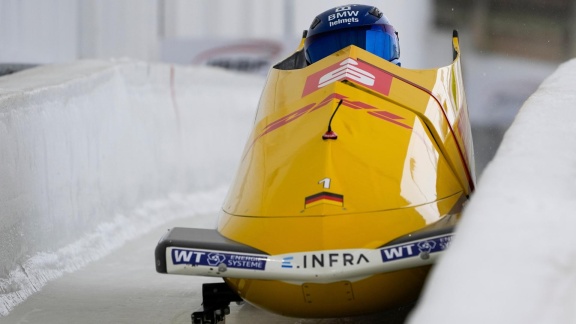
(513,259)
(90,152)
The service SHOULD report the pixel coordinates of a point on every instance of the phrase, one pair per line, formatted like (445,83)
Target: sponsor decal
(297,114)
(348,69)
(214,259)
(388,116)
(344,21)
(288,118)
(324,260)
(343,15)
(413,249)
(324,198)
(287,262)
(282,121)
(352,70)
(333,259)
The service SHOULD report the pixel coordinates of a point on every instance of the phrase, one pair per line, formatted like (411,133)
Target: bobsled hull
(348,188)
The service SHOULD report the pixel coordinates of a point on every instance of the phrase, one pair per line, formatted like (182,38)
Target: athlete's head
(359,25)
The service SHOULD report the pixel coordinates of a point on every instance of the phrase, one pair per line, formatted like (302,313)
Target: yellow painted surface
(402,161)
(336,299)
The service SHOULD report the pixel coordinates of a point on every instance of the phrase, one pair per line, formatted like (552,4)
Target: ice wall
(513,259)
(95,152)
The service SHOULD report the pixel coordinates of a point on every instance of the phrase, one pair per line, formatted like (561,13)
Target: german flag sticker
(324,198)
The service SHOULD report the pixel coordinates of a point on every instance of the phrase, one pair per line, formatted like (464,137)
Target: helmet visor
(380,40)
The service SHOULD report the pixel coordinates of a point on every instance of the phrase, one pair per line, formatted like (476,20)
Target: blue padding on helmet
(381,43)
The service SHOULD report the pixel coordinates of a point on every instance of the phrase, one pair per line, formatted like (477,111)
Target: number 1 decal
(325,182)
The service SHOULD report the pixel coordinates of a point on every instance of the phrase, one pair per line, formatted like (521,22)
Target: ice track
(99,158)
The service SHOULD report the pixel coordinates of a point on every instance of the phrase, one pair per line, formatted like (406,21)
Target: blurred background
(509,46)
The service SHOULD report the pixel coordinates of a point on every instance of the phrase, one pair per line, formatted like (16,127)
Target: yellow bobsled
(348,189)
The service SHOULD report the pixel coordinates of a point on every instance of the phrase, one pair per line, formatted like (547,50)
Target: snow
(45,266)
(513,259)
(95,153)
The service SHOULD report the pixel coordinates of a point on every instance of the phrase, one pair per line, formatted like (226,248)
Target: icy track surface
(99,158)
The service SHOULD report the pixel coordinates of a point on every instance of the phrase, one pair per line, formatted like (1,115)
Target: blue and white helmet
(359,25)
